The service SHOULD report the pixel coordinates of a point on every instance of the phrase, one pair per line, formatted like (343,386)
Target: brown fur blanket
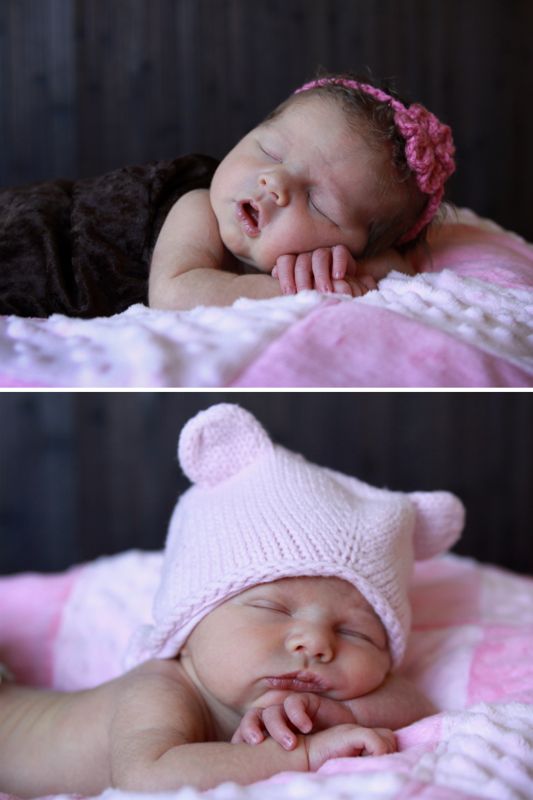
(83,248)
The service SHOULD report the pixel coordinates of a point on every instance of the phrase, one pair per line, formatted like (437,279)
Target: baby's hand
(327,269)
(302,712)
(348,740)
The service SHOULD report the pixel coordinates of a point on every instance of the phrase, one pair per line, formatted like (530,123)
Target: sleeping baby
(281,614)
(325,194)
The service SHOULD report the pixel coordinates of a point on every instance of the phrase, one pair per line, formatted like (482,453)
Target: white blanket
(209,347)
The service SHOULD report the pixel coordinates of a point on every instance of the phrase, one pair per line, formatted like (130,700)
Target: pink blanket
(471,650)
(465,320)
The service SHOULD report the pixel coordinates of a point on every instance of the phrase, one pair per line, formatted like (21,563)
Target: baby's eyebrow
(261,589)
(363,611)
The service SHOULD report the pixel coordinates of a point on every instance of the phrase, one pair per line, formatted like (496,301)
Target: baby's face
(292,635)
(300,181)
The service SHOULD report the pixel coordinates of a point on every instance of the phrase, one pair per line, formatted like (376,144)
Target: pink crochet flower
(429,148)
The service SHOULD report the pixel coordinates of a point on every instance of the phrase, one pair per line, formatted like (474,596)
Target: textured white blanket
(209,347)
(494,319)
(142,347)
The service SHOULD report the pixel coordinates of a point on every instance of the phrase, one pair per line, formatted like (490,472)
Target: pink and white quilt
(465,320)
(471,650)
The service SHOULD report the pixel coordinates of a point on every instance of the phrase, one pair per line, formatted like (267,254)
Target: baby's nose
(276,186)
(314,643)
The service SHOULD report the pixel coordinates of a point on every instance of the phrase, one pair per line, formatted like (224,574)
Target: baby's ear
(220,442)
(440,518)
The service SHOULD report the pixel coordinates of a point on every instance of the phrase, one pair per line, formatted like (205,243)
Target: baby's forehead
(315,120)
(316,587)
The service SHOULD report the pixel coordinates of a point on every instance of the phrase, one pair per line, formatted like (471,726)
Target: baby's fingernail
(288,742)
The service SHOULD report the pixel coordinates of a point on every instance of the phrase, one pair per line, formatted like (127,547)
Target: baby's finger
(296,709)
(368,281)
(343,262)
(346,740)
(276,725)
(285,273)
(250,730)
(321,262)
(342,287)
(302,272)
(360,286)
(389,738)
(376,742)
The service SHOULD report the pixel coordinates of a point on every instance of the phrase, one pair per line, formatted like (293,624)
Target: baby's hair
(375,120)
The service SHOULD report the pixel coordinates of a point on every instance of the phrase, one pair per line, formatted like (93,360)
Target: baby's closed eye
(267,605)
(353,633)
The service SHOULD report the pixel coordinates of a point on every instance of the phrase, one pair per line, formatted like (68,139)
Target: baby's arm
(158,765)
(190,265)
(160,741)
(395,704)
(54,742)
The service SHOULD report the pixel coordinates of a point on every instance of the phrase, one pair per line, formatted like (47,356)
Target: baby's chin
(251,265)
(249,253)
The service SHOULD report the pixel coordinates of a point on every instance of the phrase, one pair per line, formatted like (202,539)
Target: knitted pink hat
(429,147)
(258,512)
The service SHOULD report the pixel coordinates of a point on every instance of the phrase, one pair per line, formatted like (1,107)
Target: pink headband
(429,147)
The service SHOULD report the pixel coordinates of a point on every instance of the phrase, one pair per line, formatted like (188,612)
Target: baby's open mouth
(248,215)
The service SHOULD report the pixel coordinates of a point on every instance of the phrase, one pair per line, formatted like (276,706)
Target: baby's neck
(223,720)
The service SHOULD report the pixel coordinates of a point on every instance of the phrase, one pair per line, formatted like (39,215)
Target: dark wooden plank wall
(85,474)
(88,85)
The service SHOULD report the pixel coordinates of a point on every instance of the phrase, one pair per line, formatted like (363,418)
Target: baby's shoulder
(157,672)
(161,683)
(190,224)
(155,694)
(196,200)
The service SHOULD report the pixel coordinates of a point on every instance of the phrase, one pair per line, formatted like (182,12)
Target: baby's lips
(300,681)
(249,215)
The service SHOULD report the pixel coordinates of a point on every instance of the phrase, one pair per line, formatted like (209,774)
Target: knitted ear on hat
(220,442)
(440,518)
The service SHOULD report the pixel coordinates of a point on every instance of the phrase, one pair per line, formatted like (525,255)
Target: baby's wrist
(303,745)
(294,760)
